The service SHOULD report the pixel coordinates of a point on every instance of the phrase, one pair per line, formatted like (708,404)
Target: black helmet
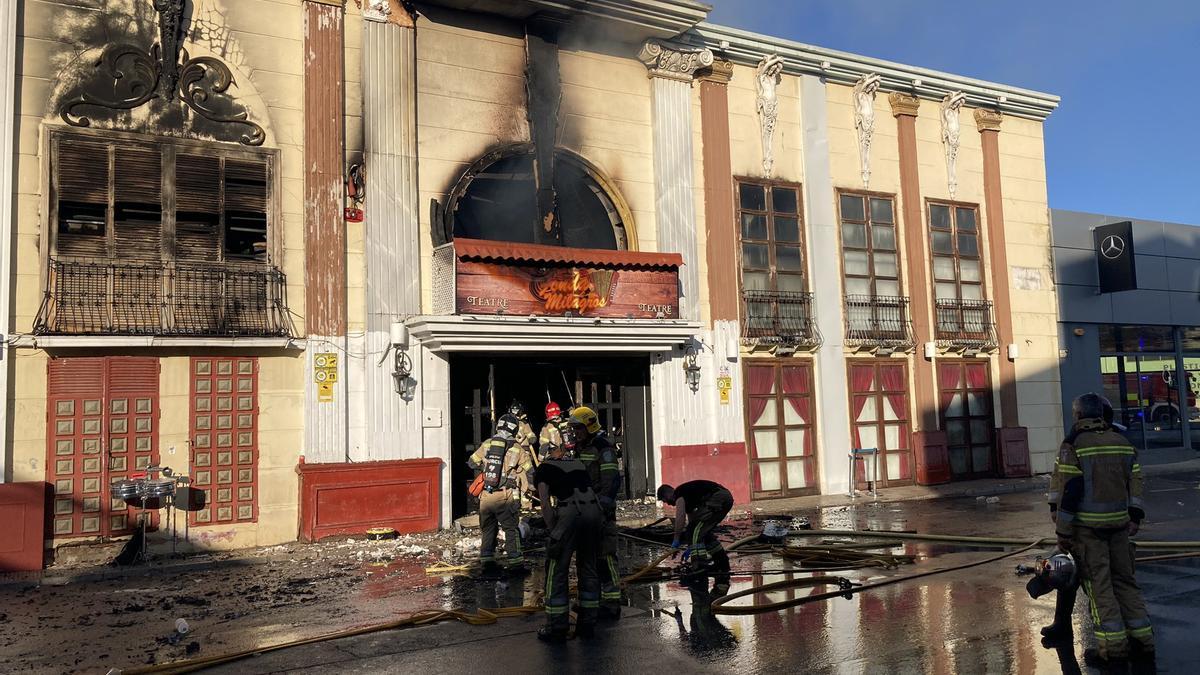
(516,409)
(508,424)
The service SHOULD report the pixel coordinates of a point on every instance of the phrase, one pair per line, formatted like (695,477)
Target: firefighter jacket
(598,455)
(516,462)
(1097,480)
(551,436)
(525,435)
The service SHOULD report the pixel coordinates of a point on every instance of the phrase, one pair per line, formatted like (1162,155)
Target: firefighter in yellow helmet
(600,458)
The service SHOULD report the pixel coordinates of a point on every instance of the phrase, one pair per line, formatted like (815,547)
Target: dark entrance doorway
(616,387)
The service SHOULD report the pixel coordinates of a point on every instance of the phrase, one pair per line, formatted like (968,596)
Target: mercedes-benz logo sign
(1112,247)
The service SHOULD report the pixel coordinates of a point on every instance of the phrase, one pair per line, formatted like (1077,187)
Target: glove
(675,547)
(687,553)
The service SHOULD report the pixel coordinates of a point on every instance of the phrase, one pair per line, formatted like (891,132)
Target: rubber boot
(548,634)
(1060,630)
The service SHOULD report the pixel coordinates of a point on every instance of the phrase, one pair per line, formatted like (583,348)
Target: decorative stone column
(671,71)
(8,91)
(988,123)
(391,242)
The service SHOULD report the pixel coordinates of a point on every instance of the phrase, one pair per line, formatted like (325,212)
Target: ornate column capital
(398,12)
(904,104)
(988,120)
(720,72)
(673,63)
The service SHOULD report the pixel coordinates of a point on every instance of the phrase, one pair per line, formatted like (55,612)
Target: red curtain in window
(796,386)
(895,386)
(950,380)
(861,378)
(760,381)
(977,376)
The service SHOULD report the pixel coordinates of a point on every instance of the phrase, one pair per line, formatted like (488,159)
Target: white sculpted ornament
(769,75)
(950,135)
(864,121)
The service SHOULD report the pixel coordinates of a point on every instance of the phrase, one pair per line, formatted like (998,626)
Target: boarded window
(113,198)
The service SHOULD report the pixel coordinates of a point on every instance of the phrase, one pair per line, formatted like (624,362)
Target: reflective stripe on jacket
(1097,480)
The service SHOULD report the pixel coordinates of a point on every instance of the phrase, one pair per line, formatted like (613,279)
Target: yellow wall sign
(724,384)
(325,375)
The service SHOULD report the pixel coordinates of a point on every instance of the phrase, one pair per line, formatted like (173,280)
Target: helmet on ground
(508,424)
(1053,574)
(516,409)
(552,410)
(587,418)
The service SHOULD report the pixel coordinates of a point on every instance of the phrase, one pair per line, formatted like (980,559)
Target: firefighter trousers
(706,548)
(1114,599)
(577,530)
(498,510)
(610,576)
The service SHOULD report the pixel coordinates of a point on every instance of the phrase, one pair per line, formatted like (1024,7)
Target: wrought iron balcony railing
(107,297)
(779,317)
(878,321)
(965,323)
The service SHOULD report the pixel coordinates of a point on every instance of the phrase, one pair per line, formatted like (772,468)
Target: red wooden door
(879,419)
(102,425)
(966,416)
(224,438)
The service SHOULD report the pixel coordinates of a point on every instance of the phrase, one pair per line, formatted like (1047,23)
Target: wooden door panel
(224,438)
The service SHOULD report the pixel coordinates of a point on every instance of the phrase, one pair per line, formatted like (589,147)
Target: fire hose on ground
(832,557)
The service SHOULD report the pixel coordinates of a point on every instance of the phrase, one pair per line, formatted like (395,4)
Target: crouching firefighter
(1097,489)
(701,505)
(500,460)
(574,520)
(598,455)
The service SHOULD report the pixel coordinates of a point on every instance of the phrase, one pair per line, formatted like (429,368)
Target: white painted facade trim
(549,334)
(8,83)
(128,341)
(845,68)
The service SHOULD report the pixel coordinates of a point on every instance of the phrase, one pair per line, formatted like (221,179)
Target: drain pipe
(8,83)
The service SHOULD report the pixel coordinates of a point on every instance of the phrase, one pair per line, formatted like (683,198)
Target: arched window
(495,200)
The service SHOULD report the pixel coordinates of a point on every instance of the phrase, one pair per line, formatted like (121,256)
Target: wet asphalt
(979,620)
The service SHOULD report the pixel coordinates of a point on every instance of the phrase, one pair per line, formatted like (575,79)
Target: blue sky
(1124,140)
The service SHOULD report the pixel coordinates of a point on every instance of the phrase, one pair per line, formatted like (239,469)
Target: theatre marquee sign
(519,279)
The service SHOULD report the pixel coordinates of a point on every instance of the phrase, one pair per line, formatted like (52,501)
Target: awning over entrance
(507,252)
(545,333)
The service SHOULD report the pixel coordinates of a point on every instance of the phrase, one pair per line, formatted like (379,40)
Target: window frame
(779,399)
(904,419)
(868,223)
(169,146)
(957,256)
(770,242)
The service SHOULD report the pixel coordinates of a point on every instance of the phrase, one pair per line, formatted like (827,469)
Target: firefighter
(551,434)
(1097,498)
(501,461)
(701,505)
(598,455)
(525,436)
(574,520)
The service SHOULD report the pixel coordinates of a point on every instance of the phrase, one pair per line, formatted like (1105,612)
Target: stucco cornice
(748,48)
(630,20)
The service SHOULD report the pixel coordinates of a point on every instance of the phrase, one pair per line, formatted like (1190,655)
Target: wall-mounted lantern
(691,369)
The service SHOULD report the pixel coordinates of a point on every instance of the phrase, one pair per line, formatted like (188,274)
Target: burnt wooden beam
(543,93)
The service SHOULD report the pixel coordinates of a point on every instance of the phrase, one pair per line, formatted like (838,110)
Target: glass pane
(948,291)
(770,413)
(891,437)
(756,281)
(956,432)
(753,197)
(768,476)
(981,458)
(959,464)
(854,236)
(858,286)
(887,288)
(787,228)
(1142,339)
(795,440)
(754,256)
(869,412)
(955,407)
(852,208)
(790,282)
(965,220)
(968,245)
(868,436)
(969,269)
(766,444)
(942,242)
(796,474)
(885,265)
(790,405)
(783,200)
(856,262)
(881,210)
(884,237)
(972,292)
(939,216)
(981,431)
(754,226)
(889,414)
(979,404)
(895,469)
(943,268)
(787,258)
(950,377)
